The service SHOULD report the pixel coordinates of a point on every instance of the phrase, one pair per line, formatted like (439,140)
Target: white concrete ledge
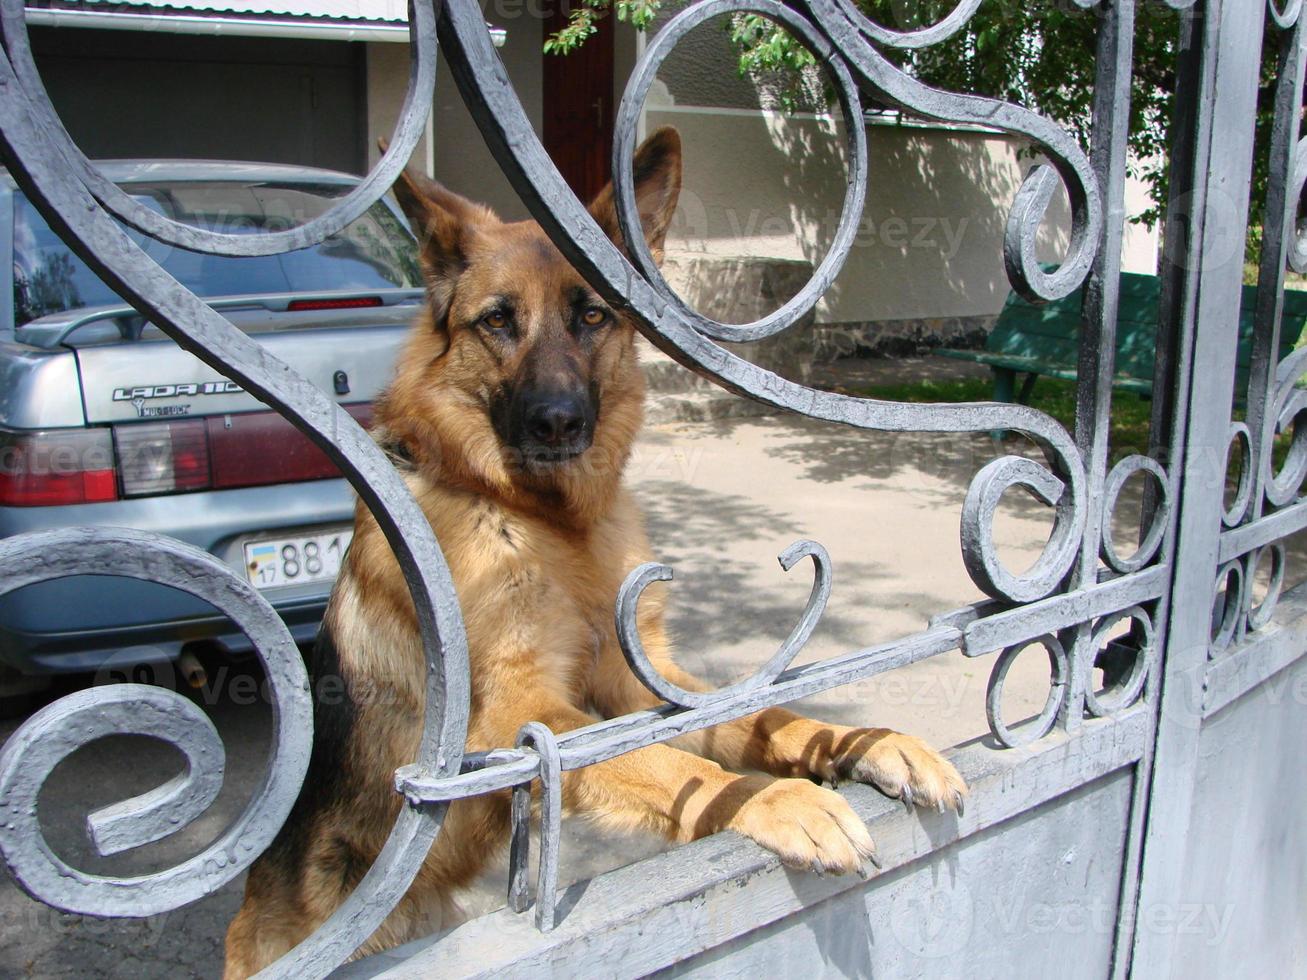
(650,915)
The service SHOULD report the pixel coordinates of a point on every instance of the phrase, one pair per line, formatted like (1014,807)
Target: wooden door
(578,105)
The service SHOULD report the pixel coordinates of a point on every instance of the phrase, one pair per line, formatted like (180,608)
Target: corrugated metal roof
(384,11)
(329,20)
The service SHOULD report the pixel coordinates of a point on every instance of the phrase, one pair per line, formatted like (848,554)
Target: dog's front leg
(783,743)
(685,797)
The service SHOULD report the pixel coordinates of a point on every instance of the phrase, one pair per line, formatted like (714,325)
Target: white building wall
(929,240)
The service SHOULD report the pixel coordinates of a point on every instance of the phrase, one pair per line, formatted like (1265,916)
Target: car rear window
(373,252)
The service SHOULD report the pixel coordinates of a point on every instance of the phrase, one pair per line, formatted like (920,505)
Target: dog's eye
(594,316)
(496,320)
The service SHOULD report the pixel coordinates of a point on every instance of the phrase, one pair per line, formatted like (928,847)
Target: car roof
(180,171)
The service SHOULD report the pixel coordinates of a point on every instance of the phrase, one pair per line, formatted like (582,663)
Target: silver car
(104,420)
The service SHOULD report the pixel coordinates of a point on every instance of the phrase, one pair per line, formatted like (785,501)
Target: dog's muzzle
(552,427)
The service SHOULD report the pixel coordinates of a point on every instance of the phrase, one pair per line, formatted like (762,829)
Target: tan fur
(537,555)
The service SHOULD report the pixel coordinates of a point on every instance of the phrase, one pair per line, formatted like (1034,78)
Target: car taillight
(48,467)
(262,447)
(340,303)
(162,457)
(220,453)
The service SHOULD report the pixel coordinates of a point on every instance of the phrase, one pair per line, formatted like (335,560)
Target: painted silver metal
(608,739)
(1145,647)
(1279,524)
(59,729)
(709,897)
(1004,628)
(1228,603)
(1242,440)
(519,847)
(978,509)
(545,745)
(943,29)
(488,92)
(897,88)
(624,139)
(1259,615)
(1159,518)
(1287,17)
(1042,724)
(628,629)
(137,709)
(1077,592)
(1288,412)
(408,132)
(39,164)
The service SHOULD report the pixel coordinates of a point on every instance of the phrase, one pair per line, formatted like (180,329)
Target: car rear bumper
(85,622)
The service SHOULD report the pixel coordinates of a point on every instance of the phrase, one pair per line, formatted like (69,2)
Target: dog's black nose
(557,420)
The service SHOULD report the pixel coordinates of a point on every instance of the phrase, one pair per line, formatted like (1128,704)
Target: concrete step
(677,394)
(664,376)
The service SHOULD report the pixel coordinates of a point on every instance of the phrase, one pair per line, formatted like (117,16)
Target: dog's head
(522,374)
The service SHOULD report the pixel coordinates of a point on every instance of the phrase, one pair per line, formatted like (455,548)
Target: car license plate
(271,562)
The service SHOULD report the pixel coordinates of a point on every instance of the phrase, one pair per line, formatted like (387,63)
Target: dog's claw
(874,858)
(959,805)
(906,796)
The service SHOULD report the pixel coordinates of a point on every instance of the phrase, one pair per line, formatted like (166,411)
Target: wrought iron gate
(1176,797)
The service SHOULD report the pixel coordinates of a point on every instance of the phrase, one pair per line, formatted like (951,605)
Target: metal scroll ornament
(79,204)
(85,209)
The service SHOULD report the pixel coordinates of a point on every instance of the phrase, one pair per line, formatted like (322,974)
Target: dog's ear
(442,221)
(657,172)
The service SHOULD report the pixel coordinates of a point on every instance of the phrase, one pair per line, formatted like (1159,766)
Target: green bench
(1045,340)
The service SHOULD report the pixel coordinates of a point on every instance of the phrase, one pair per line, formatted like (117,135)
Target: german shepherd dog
(512,414)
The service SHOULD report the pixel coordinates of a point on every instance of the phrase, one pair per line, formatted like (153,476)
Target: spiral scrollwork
(1297,252)
(44,163)
(483,82)
(1285,18)
(1037,728)
(921,37)
(1132,687)
(979,553)
(1229,598)
(408,132)
(628,630)
(1258,614)
(60,728)
(624,139)
(1289,411)
(1069,163)
(85,208)
(1152,540)
(1242,440)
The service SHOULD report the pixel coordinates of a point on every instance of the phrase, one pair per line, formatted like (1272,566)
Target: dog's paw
(900,766)
(808,826)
